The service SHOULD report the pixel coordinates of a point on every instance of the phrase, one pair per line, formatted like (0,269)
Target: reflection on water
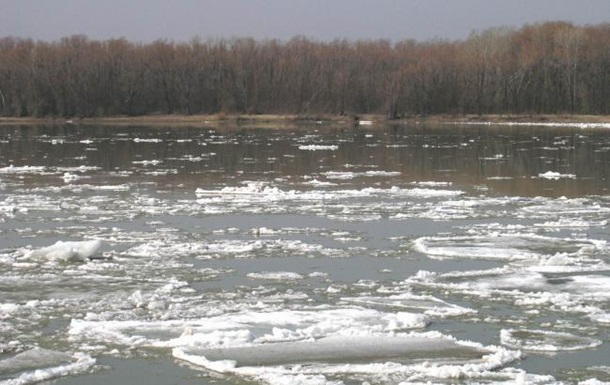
(333,255)
(508,160)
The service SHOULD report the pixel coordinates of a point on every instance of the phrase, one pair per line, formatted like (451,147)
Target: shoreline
(288,121)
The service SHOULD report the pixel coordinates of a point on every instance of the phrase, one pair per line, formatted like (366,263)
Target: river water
(318,255)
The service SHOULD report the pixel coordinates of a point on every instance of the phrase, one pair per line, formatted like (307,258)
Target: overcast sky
(181,20)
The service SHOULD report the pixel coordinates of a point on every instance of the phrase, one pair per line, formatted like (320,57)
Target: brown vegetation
(550,68)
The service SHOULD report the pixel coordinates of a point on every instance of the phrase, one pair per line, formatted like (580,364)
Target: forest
(546,68)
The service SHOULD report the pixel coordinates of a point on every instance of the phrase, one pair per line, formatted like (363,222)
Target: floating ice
(261,191)
(318,147)
(144,140)
(430,305)
(276,276)
(572,223)
(383,359)
(249,327)
(66,251)
(580,209)
(38,365)
(582,125)
(545,341)
(318,183)
(80,169)
(566,292)
(356,349)
(432,184)
(229,248)
(593,381)
(344,175)
(153,162)
(22,169)
(313,320)
(494,157)
(491,247)
(556,175)
(68,177)
(500,246)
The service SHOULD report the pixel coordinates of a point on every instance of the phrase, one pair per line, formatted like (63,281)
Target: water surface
(472,254)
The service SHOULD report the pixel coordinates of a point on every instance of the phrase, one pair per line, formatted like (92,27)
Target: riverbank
(287,121)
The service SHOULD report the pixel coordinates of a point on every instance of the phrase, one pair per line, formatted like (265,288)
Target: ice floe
(69,177)
(22,169)
(500,246)
(66,251)
(276,275)
(351,174)
(377,358)
(341,204)
(246,328)
(317,343)
(38,365)
(555,175)
(564,208)
(545,340)
(581,125)
(430,305)
(318,147)
(230,248)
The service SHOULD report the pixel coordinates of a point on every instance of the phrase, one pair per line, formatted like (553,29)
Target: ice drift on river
(546,341)
(311,344)
(382,358)
(37,365)
(66,251)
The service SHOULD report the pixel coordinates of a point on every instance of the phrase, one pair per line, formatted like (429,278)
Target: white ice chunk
(37,365)
(276,275)
(430,305)
(341,349)
(556,175)
(503,246)
(66,251)
(351,175)
(69,177)
(582,125)
(378,359)
(546,341)
(241,328)
(21,169)
(318,147)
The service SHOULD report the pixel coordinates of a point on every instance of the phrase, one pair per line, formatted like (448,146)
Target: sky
(182,20)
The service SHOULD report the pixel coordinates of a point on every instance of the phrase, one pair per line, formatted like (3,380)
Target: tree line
(553,67)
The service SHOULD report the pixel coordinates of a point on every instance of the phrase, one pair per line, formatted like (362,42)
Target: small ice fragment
(555,175)
(317,147)
(68,177)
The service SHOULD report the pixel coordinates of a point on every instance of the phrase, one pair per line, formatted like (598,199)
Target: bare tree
(541,68)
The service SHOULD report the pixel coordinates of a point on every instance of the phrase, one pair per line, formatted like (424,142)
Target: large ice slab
(362,349)
(380,359)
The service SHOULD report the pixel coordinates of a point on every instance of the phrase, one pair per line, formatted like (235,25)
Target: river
(318,255)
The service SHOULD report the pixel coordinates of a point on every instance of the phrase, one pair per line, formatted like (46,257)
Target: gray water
(247,240)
